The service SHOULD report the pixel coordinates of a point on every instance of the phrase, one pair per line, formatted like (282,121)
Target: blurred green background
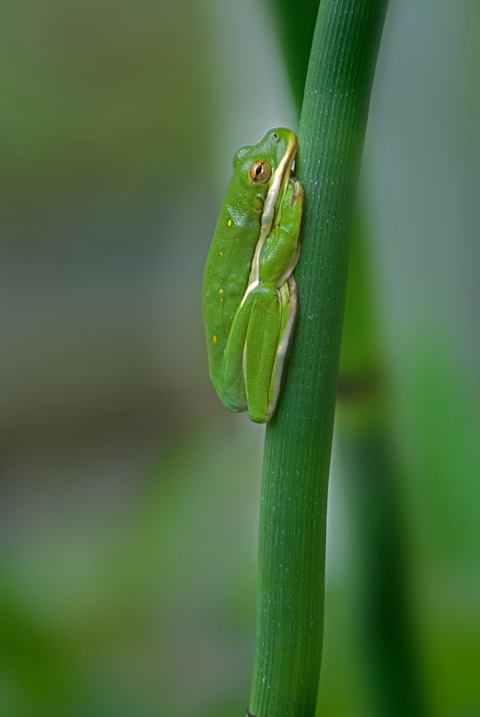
(129,497)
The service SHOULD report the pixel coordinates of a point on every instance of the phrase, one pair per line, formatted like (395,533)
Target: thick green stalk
(298,439)
(389,667)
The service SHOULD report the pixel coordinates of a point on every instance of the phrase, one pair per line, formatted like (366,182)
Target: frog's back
(227,272)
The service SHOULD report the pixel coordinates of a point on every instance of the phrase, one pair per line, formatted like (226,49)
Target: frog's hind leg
(257,348)
(289,303)
(261,345)
(269,328)
(234,396)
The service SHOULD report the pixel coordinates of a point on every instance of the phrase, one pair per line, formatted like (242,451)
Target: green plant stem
(298,439)
(295,31)
(370,474)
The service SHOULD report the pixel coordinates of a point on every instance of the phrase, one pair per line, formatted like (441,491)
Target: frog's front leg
(281,250)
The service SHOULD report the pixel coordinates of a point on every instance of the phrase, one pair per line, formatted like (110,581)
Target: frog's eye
(260,172)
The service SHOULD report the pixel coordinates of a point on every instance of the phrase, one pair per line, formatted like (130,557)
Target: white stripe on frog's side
(268,214)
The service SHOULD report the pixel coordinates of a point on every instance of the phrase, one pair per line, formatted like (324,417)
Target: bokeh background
(129,497)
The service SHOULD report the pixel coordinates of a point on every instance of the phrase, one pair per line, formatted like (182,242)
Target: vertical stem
(363,426)
(298,439)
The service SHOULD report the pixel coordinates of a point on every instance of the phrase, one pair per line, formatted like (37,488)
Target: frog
(249,295)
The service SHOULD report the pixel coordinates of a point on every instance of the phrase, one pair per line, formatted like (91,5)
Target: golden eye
(260,172)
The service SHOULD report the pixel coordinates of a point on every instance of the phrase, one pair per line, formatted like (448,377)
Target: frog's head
(268,163)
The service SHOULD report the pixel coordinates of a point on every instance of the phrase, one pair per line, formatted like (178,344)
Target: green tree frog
(249,293)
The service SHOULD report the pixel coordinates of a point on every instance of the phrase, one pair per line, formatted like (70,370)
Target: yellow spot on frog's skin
(221,253)
(229,223)
(221,299)
(220,291)
(214,339)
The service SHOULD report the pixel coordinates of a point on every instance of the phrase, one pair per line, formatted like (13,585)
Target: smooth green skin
(249,293)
